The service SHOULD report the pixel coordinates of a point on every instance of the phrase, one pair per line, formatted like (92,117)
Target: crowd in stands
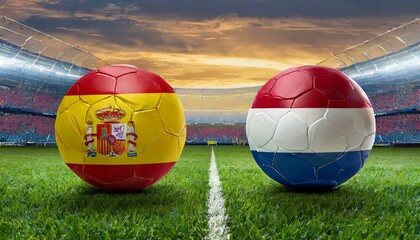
(224,127)
(225,134)
(383,101)
(410,98)
(26,128)
(393,100)
(398,128)
(221,117)
(29,99)
(401,127)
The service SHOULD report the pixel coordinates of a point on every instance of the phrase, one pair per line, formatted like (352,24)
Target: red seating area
(33,100)
(411,98)
(26,127)
(46,103)
(36,128)
(398,123)
(392,101)
(228,134)
(382,102)
(403,128)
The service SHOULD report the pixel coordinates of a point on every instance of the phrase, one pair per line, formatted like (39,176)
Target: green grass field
(41,198)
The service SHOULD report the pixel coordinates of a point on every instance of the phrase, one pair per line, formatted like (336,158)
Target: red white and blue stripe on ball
(311,126)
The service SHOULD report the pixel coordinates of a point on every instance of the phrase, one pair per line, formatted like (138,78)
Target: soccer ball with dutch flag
(311,127)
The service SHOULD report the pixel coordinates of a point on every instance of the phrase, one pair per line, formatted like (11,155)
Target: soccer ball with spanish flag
(120,128)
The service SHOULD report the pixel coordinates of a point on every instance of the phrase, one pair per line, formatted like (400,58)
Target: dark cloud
(204,9)
(219,41)
(131,23)
(119,31)
(73,6)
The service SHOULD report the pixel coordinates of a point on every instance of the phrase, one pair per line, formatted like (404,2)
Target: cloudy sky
(213,43)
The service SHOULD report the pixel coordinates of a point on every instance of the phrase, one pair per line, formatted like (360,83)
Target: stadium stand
(26,128)
(221,133)
(29,99)
(403,128)
(387,67)
(395,99)
(36,70)
(393,124)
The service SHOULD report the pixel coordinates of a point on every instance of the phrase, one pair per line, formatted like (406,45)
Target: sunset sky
(212,44)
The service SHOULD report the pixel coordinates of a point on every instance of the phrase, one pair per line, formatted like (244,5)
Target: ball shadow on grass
(347,198)
(312,190)
(85,197)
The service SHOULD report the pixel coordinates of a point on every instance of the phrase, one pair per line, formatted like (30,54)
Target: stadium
(36,70)
(386,67)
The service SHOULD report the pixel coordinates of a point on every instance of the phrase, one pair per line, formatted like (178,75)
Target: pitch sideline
(216,204)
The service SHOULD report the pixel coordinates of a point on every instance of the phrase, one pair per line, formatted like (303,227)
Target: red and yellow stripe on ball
(120,130)
(157,136)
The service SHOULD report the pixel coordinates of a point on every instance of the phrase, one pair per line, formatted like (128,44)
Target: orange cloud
(227,51)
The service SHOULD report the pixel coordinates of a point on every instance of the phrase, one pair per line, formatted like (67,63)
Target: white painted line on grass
(216,204)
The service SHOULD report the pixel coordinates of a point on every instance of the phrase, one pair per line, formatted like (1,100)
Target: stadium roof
(383,44)
(43,61)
